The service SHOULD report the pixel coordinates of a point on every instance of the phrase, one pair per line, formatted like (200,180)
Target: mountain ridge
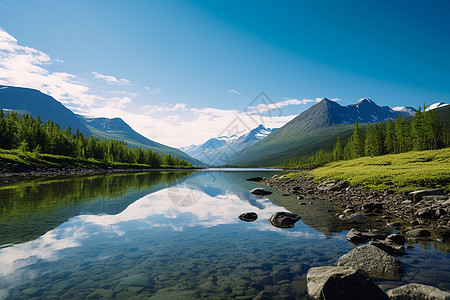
(41,105)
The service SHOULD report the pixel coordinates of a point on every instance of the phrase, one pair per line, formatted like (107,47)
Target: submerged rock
(417,291)
(248,216)
(138,280)
(283,219)
(376,262)
(396,238)
(260,192)
(256,179)
(347,283)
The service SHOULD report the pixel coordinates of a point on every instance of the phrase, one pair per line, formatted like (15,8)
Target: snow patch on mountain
(436,105)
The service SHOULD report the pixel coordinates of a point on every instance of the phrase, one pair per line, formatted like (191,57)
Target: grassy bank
(410,170)
(30,161)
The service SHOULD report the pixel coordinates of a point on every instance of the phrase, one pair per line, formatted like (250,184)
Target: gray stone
(257,179)
(260,192)
(396,238)
(332,283)
(389,247)
(420,232)
(417,291)
(416,196)
(333,185)
(359,237)
(376,262)
(283,219)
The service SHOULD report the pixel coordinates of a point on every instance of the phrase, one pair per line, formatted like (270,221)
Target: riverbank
(51,165)
(393,209)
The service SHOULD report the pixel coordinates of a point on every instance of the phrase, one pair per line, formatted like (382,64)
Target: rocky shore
(404,211)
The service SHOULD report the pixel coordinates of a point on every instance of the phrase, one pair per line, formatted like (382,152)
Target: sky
(180,72)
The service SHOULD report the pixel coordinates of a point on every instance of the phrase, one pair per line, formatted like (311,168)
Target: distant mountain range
(220,150)
(37,104)
(318,127)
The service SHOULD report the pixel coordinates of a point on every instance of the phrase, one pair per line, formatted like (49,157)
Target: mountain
(436,105)
(407,111)
(220,150)
(318,127)
(38,104)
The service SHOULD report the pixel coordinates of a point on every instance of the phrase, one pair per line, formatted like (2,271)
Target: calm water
(172,235)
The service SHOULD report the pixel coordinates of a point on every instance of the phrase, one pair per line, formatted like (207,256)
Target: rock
(333,185)
(300,197)
(446,203)
(376,262)
(260,192)
(283,219)
(332,283)
(349,211)
(420,232)
(302,203)
(416,196)
(425,213)
(281,274)
(414,222)
(248,216)
(389,247)
(371,207)
(396,238)
(417,291)
(359,237)
(257,179)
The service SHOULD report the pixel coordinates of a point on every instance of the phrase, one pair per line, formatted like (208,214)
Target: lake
(173,235)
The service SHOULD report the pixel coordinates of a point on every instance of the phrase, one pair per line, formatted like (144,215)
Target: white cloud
(111,79)
(266,107)
(59,60)
(234,92)
(23,66)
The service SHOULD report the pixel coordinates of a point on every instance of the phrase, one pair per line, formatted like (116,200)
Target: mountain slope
(46,107)
(318,127)
(40,105)
(220,150)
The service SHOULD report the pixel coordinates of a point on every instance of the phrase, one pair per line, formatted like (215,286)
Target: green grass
(405,171)
(46,161)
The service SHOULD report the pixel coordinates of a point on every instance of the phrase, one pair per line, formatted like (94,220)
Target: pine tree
(390,140)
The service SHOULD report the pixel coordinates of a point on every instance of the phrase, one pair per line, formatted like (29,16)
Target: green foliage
(411,170)
(29,134)
(424,132)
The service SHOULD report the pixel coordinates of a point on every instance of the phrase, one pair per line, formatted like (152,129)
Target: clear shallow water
(170,235)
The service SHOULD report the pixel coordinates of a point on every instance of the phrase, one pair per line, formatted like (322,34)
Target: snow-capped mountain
(406,111)
(436,105)
(219,150)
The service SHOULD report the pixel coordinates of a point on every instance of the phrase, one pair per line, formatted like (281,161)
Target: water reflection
(176,238)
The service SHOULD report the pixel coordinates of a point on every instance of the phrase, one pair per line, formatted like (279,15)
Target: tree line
(422,132)
(30,134)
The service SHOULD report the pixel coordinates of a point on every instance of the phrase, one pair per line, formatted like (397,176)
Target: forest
(29,134)
(422,132)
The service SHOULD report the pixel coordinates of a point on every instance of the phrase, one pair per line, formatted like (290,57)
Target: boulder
(419,232)
(256,179)
(248,216)
(333,185)
(417,291)
(283,219)
(396,238)
(416,196)
(347,283)
(260,192)
(374,261)
(389,247)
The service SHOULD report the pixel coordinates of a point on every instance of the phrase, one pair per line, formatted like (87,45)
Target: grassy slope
(46,161)
(411,170)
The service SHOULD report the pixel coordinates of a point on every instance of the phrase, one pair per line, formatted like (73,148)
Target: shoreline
(395,210)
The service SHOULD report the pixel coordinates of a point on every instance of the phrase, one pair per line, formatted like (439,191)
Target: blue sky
(179,72)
